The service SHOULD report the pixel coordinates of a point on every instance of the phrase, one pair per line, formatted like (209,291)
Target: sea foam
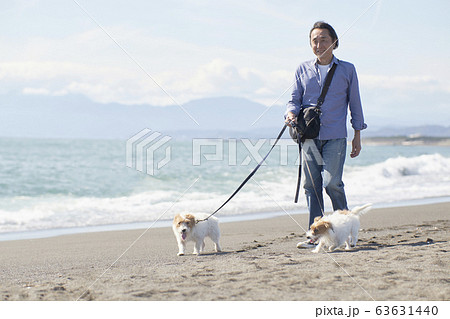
(270,190)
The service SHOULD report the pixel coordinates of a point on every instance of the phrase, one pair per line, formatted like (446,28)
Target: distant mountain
(75,116)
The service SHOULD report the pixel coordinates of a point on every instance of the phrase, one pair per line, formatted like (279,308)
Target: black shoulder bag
(308,124)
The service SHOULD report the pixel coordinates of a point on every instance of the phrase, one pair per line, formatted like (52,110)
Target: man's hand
(290,117)
(356,144)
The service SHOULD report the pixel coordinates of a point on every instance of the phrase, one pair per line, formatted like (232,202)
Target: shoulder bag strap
(328,79)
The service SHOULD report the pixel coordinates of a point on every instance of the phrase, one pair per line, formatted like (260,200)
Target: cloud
(128,86)
(220,76)
(91,64)
(36,91)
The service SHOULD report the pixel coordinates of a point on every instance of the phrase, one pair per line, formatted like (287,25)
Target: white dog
(338,228)
(191,227)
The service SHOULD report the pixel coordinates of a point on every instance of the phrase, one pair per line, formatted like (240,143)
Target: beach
(402,254)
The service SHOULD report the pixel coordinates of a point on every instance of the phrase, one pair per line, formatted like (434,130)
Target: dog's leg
(347,244)
(319,246)
(333,240)
(197,247)
(355,238)
(350,239)
(215,238)
(181,247)
(355,233)
(202,249)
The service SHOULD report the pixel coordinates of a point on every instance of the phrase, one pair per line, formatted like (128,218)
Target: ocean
(54,186)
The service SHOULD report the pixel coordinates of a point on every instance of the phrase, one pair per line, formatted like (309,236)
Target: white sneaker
(307,244)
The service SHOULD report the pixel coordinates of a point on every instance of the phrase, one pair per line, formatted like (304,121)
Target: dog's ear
(177,219)
(328,225)
(190,219)
(317,218)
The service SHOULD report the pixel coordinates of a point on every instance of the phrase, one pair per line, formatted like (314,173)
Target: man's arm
(356,144)
(356,112)
(294,104)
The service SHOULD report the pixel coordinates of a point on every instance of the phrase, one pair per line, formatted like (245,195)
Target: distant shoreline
(407,141)
(370,140)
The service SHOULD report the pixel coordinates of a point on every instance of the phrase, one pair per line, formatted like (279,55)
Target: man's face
(321,41)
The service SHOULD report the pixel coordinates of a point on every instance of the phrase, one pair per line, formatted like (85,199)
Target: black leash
(248,177)
(299,177)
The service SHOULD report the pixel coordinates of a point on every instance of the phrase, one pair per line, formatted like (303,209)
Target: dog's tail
(361,209)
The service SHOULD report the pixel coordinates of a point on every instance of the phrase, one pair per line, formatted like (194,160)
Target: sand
(402,254)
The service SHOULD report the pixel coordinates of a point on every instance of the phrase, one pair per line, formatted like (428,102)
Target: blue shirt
(343,94)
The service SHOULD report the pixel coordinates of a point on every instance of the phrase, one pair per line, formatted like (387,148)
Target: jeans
(322,167)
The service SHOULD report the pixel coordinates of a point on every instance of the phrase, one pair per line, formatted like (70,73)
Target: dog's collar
(201,220)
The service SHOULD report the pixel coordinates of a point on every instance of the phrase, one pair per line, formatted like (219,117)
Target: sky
(172,52)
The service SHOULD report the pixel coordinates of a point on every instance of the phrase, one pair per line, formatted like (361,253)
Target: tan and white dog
(186,228)
(337,229)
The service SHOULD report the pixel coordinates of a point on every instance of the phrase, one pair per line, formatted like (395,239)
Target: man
(343,94)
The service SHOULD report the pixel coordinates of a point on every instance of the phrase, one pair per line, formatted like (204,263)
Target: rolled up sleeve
(295,103)
(356,112)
